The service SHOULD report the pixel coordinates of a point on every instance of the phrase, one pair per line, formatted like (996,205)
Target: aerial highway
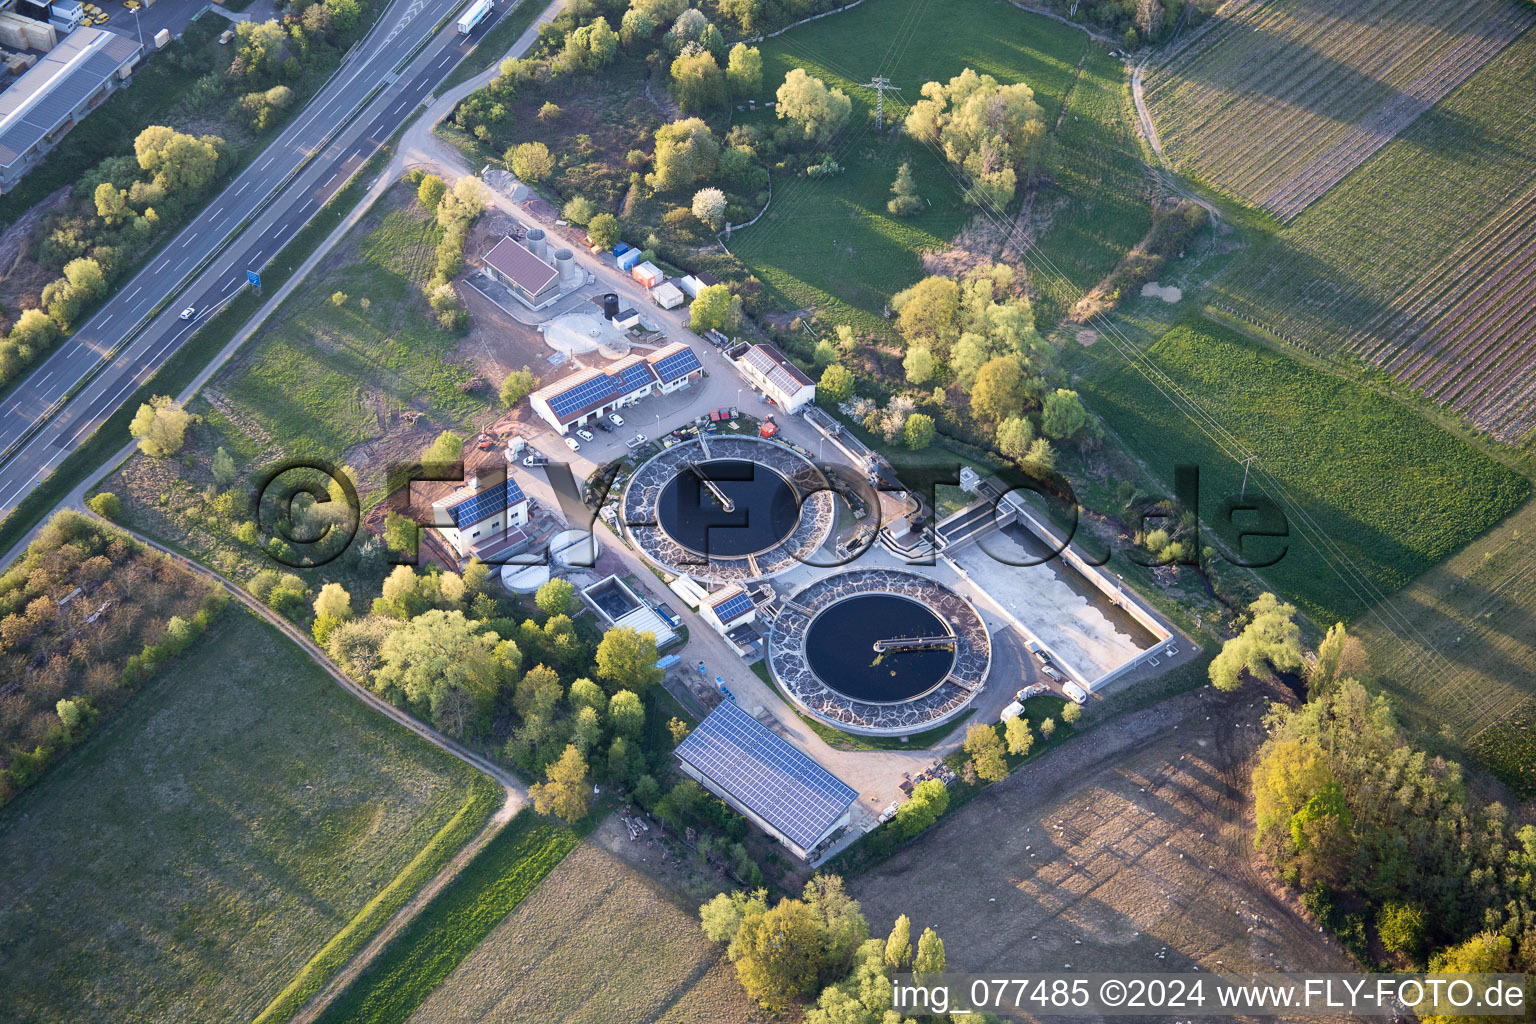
(50,412)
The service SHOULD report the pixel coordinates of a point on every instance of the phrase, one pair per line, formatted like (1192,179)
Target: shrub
(107,505)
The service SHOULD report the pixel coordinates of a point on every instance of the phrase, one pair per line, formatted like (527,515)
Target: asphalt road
(31,452)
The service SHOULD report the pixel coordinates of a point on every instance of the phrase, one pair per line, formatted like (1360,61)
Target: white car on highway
(189,313)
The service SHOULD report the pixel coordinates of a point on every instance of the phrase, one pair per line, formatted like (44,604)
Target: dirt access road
(1129,850)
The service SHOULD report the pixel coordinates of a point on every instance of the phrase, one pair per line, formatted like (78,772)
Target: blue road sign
(254,278)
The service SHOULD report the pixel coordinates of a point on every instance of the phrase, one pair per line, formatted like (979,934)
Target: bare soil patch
(1109,852)
(1168,293)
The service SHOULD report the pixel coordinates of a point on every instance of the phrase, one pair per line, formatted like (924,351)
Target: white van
(1013,710)
(1077,693)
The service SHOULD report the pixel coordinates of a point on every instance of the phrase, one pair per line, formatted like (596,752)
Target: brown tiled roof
(513,259)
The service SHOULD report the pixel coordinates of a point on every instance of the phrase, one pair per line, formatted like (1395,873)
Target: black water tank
(610,305)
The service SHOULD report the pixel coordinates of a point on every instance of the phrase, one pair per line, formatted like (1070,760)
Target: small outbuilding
(667,295)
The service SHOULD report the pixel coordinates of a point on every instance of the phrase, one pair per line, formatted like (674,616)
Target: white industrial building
(535,275)
(66,84)
(777,377)
(483,518)
(587,394)
(728,608)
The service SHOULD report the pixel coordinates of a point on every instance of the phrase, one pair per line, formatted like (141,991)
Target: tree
(1063,416)
(179,162)
(686,150)
(698,84)
(927,310)
(1000,390)
(579,210)
(112,204)
(1401,927)
(626,660)
(430,192)
(722,917)
(399,533)
(584,693)
(518,386)
(744,71)
(815,112)
(627,714)
(442,662)
(591,46)
(930,953)
(603,231)
(678,730)
(1041,457)
(1017,735)
(711,309)
(160,426)
(1484,953)
(709,207)
(1048,728)
(1270,640)
(223,468)
(1013,437)
(445,450)
(836,383)
(898,945)
(75,715)
(565,792)
(986,752)
(779,954)
(334,601)
(554,597)
(995,133)
(929,800)
(531,161)
(919,431)
(1072,714)
(918,364)
(904,198)
(106,504)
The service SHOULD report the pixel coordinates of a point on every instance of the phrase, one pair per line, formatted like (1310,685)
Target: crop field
(1457,650)
(1284,99)
(598,941)
(1382,489)
(427,951)
(1423,263)
(190,858)
(829,243)
(326,378)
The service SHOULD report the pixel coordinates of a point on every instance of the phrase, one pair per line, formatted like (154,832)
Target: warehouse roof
(46,96)
(512,258)
(766,774)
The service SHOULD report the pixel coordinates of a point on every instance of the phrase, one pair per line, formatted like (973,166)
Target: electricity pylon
(880,83)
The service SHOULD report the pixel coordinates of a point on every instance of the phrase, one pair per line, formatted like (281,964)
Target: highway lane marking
(242,189)
(107,319)
(330,179)
(45,378)
(165,263)
(135,291)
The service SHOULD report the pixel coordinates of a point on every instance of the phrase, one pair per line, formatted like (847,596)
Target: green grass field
(1457,650)
(316,381)
(829,243)
(1393,493)
(422,956)
(190,859)
(1422,262)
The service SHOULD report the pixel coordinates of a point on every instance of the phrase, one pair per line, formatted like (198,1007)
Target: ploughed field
(1282,100)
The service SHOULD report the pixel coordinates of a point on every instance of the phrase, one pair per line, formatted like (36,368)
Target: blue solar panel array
(764,773)
(633,378)
(581,396)
(486,504)
(732,607)
(678,364)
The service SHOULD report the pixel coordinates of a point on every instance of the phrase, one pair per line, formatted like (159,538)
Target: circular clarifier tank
(844,641)
(728,508)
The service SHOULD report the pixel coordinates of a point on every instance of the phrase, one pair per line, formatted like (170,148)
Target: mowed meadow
(1282,100)
(194,856)
(1422,263)
(1375,493)
(829,243)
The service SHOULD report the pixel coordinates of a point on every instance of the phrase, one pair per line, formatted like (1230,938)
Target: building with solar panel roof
(485,517)
(588,394)
(768,779)
(777,377)
(728,608)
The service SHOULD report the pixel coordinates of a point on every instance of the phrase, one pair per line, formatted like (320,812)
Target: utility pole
(1246,463)
(880,83)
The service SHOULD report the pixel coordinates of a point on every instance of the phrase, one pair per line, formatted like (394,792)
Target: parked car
(1050,670)
(573,444)
(536,459)
(585,435)
(635,442)
(618,420)
(1032,690)
(603,425)
(1033,646)
(1013,710)
(1077,693)
(189,313)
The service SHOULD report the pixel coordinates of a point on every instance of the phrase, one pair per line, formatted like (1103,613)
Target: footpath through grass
(419,959)
(240,818)
(1391,492)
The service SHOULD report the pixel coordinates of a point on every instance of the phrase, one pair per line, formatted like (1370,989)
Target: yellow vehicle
(101,19)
